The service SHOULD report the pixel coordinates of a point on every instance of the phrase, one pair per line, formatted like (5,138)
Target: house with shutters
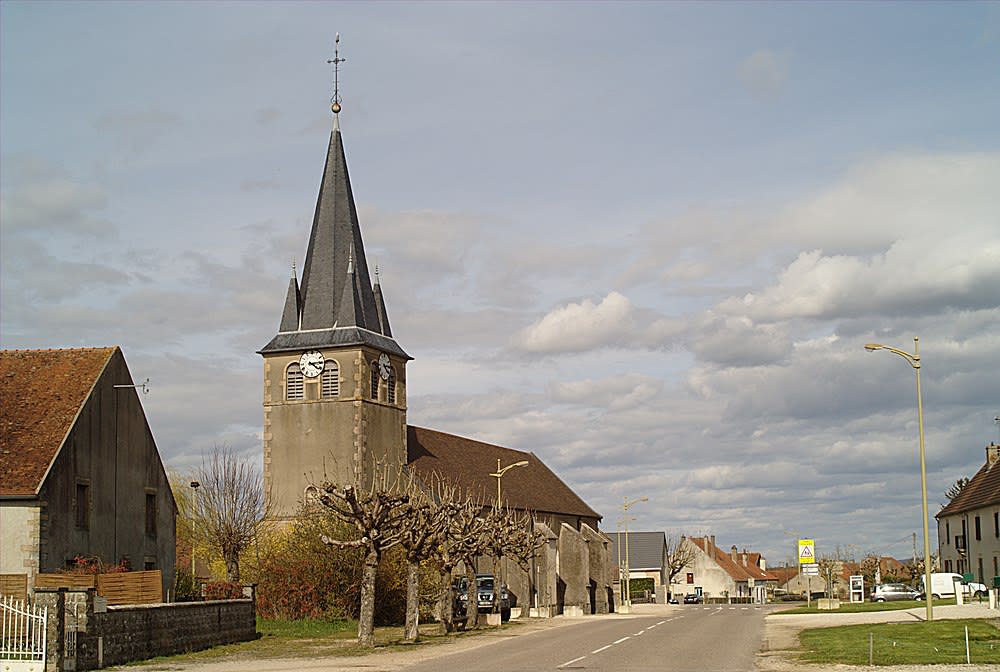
(335,409)
(968,527)
(80,475)
(726,576)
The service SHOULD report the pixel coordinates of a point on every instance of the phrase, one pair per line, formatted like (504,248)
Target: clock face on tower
(384,367)
(311,364)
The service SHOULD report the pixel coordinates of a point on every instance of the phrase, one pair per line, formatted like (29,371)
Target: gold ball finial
(336,108)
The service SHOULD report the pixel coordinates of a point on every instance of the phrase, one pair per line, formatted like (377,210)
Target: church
(335,391)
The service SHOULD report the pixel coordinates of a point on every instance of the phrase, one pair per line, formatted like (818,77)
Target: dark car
(484,592)
(692,599)
(894,592)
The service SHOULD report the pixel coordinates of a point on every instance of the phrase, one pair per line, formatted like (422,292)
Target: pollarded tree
(458,540)
(232,505)
(423,532)
(681,553)
(378,513)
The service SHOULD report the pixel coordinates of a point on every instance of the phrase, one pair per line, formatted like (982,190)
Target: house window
(391,386)
(330,380)
(294,383)
(690,577)
(82,505)
(996,568)
(374,391)
(947,565)
(979,533)
(947,532)
(996,525)
(980,567)
(151,513)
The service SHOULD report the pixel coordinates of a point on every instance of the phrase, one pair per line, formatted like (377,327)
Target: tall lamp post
(194,518)
(500,472)
(628,570)
(498,583)
(914,361)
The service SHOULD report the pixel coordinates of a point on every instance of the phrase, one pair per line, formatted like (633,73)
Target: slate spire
(335,303)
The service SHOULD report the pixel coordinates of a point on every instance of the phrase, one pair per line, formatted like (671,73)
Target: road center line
(603,648)
(623,639)
(570,662)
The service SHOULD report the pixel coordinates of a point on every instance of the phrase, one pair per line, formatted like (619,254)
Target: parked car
(943,585)
(484,593)
(692,599)
(892,592)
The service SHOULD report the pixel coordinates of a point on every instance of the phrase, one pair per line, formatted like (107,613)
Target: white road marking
(623,639)
(603,648)
(575,660)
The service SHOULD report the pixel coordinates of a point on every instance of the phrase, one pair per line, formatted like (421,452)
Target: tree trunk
(473,594)
(366,620)
(412,600)
(232,567)
(446,603)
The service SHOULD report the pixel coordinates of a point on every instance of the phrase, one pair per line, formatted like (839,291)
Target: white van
(943,585)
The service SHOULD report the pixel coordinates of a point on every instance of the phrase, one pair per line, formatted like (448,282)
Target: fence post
(55,600)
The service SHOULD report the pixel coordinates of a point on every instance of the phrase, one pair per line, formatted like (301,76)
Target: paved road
(689,639)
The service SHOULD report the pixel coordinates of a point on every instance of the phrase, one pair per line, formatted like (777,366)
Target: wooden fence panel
(14,585)
(131,587)
(58,580)
(119,588)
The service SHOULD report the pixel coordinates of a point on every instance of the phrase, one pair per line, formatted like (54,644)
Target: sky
(645,241)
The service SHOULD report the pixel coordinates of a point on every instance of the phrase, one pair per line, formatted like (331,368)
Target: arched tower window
(374,390)
(294,383)
(330,379)
(391,386)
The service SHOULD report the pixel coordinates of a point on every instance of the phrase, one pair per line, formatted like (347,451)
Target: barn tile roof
(982,490)
(645,549)
(468,464)
(41,393)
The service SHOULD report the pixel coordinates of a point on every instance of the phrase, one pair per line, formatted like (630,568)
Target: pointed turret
(293,305)
(383,317)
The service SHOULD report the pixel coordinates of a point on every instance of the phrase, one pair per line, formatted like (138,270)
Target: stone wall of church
(574,571)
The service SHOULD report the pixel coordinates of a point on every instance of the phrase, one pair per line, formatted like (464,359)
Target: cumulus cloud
(576,327)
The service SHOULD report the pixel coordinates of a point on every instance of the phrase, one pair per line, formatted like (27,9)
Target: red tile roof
(736,569)
(982,490)
(41,393)
(468,464)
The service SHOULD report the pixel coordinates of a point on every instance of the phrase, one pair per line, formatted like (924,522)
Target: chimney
(732,553)
(992,454)
(711,545)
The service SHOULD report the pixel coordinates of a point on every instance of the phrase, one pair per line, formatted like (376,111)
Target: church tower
(334,377)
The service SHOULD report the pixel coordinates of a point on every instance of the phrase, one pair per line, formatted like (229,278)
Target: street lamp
(497,583)
(500,472)
(194,505)
(914,361)
(628,570)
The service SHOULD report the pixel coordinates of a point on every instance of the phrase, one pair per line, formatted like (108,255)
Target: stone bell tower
(334,376)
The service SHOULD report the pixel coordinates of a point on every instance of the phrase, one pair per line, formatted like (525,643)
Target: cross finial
(336,61)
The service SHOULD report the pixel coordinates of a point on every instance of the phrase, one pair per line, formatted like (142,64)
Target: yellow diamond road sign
(807,551)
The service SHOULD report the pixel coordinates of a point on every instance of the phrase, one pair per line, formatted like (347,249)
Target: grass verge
(856,607)
(919,643)
(312,639)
